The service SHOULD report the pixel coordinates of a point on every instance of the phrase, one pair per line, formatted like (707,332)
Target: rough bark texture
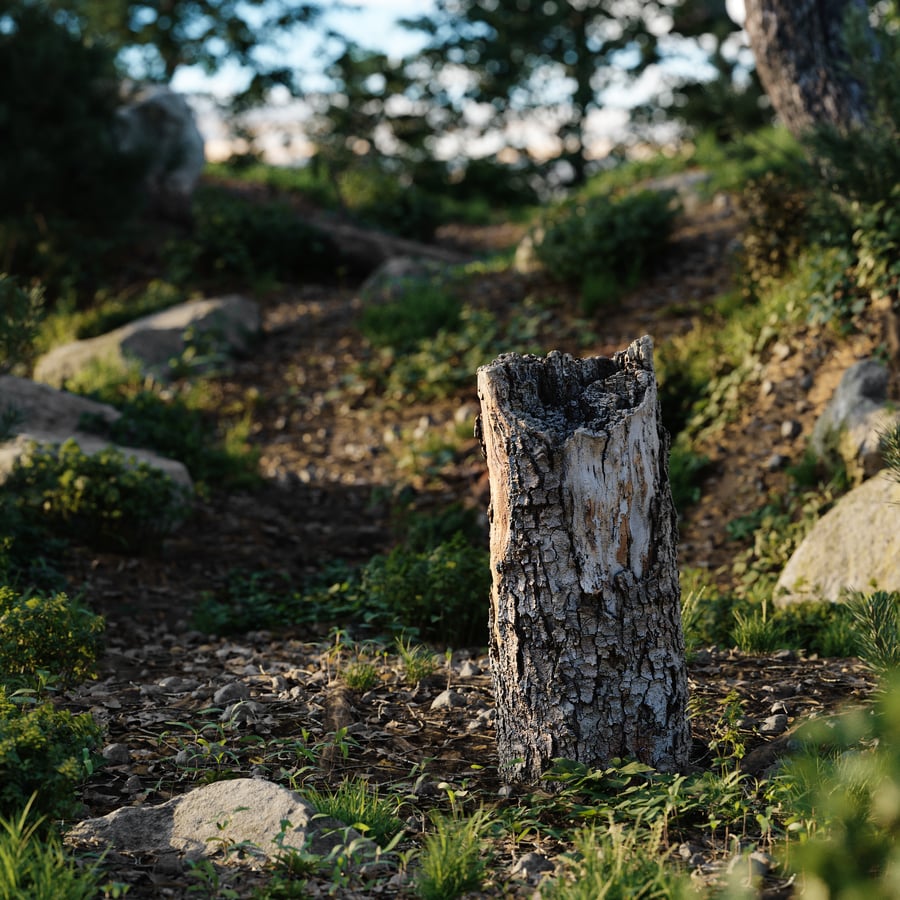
(586,647)
(801,59)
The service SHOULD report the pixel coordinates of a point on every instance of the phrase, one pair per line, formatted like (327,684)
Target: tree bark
(801,60)
(586,647)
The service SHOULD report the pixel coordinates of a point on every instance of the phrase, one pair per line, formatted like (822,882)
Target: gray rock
(224,813)
(530,867)
(229,323)
(398,275)
(116,754)
(228,693)
(447,700)
(774,725)
(854,546)
(790,429)
(49,417)
(469,669)
(854,420)
(159,124)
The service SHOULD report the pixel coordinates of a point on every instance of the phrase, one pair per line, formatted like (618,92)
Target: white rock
(854,546)
(223,813)
(154,341)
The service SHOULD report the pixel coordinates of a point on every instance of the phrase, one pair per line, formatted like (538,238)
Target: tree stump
(586,646)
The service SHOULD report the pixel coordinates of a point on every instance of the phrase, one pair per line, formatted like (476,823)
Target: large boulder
(44,415)
(854,420)
(258,815)
(854,546)
(218,325)
(158,125)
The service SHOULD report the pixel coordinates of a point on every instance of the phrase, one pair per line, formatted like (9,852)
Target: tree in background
(803,63)
(155,38)
(508,60)
(732,102)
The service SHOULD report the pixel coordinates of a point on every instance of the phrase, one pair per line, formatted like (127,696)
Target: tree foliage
(548,59)
(155,39)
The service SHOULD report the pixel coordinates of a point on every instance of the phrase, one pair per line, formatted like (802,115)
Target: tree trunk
(801,60)
(586,647)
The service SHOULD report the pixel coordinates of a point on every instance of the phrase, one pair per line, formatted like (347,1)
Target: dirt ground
(329,459)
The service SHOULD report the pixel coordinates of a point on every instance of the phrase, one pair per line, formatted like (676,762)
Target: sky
(373,24)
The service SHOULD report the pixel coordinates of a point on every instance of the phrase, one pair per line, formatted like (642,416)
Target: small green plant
(453,859)
(418,662)
(756,632)
(104,500)
(52,634)
(360,675)
(357,803)
(618,863)
(33,863)
(45,752)
(686,470)
(606,244)
(876,621)
(890,451)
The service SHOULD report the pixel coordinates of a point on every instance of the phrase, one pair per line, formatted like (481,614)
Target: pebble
(781,351)
(766,388)
(778,708)
(469,670)
(133,784)
(237,690)
(790,429)
(530,867)
(116,754)
(776,461)
(774,725)
(242,711)
(447,700)
(756,864)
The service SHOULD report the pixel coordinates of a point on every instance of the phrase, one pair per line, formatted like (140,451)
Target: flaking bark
(586,647)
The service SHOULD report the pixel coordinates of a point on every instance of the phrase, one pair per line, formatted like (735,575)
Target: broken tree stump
(586,645)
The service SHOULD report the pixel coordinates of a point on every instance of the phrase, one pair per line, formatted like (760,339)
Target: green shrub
(357,803)
(34,864)
(172,427)
(418,313)
(45,752)
(103,500)
(453,860)
(776,227)
(236,239)
(51,634)
(606,244)
(876,623)
(19,323)
(439,594)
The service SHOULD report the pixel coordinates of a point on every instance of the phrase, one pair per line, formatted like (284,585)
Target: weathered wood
(802,61)
(586,647)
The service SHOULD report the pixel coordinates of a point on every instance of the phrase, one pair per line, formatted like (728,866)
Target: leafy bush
(418,313)
(440,594)
(606,244)
(876,622)
(43,751)
(53,634)
(776,227)
(19,323)
(172,427)
(234,238)
(103,500)
(389,201)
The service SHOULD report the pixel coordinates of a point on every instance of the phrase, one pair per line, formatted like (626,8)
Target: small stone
(776,461)
(790,429)
(807,381)
(784,655)
(778,707)
(766,388)
(448,699)
(781,351)
(754,865)
(237,690)
(133,785)
(116,754)
(468,669)
(530,867)
(774,725)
